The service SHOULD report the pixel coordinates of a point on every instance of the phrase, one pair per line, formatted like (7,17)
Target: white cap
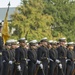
(22,38)
(44,38)
(63,38)
(15,40)
(11,40)
(54,41)
(50,41)
(33,41)
(70,43)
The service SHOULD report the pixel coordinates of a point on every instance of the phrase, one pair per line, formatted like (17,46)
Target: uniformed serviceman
(12,56)
(62,56)
(1,55)
(42,55)
(6,58)
(53,55)
(70,58)
(32,56)
(74,58)
(21,57)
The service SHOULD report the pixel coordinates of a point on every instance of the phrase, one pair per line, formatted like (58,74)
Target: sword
(62,71)
(43,72)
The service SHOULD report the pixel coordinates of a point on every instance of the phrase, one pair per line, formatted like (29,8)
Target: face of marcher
(13,46)
(62,43)
(44,43)
(22,44)
(54,46)
(7,47)
(71,47)
(49,46)
(34,47)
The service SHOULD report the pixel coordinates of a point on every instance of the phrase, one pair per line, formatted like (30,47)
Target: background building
(3,13)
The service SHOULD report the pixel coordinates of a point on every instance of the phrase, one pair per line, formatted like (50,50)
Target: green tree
(63,12)
(30,20)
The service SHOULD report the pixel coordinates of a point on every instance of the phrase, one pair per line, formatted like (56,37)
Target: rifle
(62,72)
(37,67)
(73,73)
(16,71)
(43,72)
(55,71)
(35,73)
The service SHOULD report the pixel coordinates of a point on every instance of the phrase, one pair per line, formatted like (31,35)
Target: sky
(13,3)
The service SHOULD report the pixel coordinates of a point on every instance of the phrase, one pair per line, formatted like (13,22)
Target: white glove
(67,60)
(49,59)
(19,67)
(74,62)
(3,61)
(41,66)
(58,61)
(60,65)
(38,62)
(10,62)
(27,60)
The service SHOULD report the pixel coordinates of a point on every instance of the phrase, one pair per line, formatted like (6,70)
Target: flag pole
(8,9)
(5,30)
(8,6)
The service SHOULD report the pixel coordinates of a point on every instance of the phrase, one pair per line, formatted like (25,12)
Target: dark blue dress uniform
(1,63)
(42,55)
(1,55)
(74,60)
(21,56)
(70,62)
(12,59)
(6,58)
(53,54)
(70,58)
(62,56)
(32,56)
(5,62)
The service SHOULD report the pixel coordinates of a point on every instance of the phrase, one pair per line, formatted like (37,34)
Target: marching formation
(37,58)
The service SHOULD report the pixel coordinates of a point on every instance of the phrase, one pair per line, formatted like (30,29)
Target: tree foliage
(45,18)
(63,14)
(30,20)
